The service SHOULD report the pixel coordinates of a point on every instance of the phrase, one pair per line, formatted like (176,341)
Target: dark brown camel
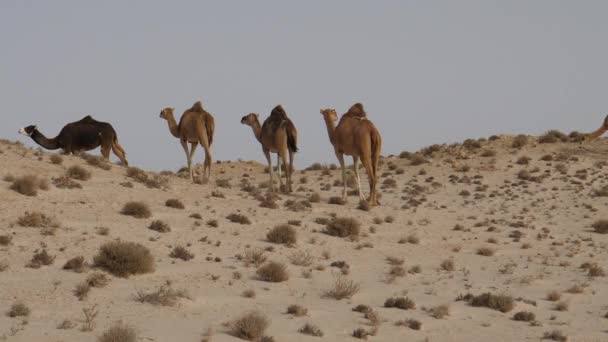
(83,135)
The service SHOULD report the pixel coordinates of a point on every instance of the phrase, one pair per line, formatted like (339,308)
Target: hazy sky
(427,71)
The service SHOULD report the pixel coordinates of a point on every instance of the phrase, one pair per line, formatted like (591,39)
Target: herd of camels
(355,135)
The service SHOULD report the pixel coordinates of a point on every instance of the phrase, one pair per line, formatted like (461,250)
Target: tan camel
(196,126)
(277,135)
(598,132)
(356,136)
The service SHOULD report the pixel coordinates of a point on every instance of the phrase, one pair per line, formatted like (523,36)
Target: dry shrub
(524,316)
(254,257)
(297,310)
(18,310)
(174,203)
(180,252)
(488,153)
(519,141)
(403,303)
(97,280)
(159,226)
(343,227)
(29,185)
(600,226)
(486,251)
(364,205)
(502,303)
(301,258)
(136,209)
(410,323)
(311,329)
(553,296)
(223,183)
(165,295)
(448,265)
(151,181)
(314,198)
(297,206)
(282,234)
(123,259)
(440,311)
(39,259)
(342,288)
(552,136)
(250,293)
(273,271)
(65,182)
(251,326)
(555,335)
(5,240)
(417,159)
(269,200)
(118,332)
(78,172)
(76,264)
(212,223)
(96,161)
(336,200)
(523,160)
(81,291)
(238,218)
(56,159)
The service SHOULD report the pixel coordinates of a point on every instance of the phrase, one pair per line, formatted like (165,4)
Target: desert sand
(454,220)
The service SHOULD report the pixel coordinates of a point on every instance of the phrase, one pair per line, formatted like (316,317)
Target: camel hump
(197,107)
(88,119)
(357,110)
(279,112)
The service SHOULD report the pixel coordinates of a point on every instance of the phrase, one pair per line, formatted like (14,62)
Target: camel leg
(356,167)
(185,146)
(193,146)
(343,167)
(269,160)
(105,152)
(284,160)
(279,171)
(367,163)
(291,156)
(207,168)
(120,153)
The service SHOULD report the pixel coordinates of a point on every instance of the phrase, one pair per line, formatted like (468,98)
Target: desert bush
(552,136)
(97,280)
(212,223)
(160,226)
(251,326)
(342,288)
(29,185)
(96,161)
(364,205)
(269,200)
(600,226)
(555,335)
(123,259)
(343,227)
(553,296)
(174,203)
(282,234)
(118,332)
(238,218)
(410,323)
(502,303)
(18,310)
(65,182)
(196,216)
(488,153)
(81,291)
(56,159)
(223,183)
(136,209)
(523,160)
(519,141)
(154,181)
(301,258)
(164,295)
(78,172)
(273,271)
(403,303)
(440,311)
(254,257)
(485,251)
(448,265)
(297,310)
(314,198)
(524,316)
(297,206)
(337,200)
(311,329)
(42,258)
(76,264)
(417,159)
(180,252)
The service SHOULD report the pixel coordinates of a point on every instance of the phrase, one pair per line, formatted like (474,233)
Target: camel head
(166,113)
(250,119)
(606,123)
(329,114)
(28,131)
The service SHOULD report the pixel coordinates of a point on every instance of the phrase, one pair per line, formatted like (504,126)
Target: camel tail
(292,136)
(376,141)
(210,127)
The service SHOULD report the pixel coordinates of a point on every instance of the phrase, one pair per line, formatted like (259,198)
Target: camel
(356,136)
(598,132)
(83,135)
(277,135)
(196,126)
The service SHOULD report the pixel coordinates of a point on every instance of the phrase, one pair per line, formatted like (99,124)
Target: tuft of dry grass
(524,316)
(314,198)
(273,271)
(136,209)
(364,205)
(18,310)
(180,252)
(600,226)
(96,161)
(250,293)
(297,310)
(37,219)
(159,226)
(301,258)
(118,332)
(448,265)
(40,259)
(65,182)
(519,141)
(282,234)
(554,296)
(502,303)
(486,251)
(29,185)
(254,257)
(164,295)
(123,259)
(311,329)
(97,280)
(76,264)
(174,203)
(81,291)
(78,172)
(440,311)
(336,200)
(251,326)
(56,159)
(238,218)
(555,335)
(553,136)
(403,303)
(342,288)
(343,227)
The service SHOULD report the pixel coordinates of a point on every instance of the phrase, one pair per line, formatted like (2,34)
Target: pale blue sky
(427,71)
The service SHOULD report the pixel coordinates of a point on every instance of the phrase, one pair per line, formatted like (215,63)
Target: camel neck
(173,128)
(257,130)
(331,129)
(597,133)
(40,139)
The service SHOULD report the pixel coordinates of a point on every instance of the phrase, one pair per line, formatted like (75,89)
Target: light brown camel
(277,135)
(196,126)
(598,132)
(356,136)
(83,135)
